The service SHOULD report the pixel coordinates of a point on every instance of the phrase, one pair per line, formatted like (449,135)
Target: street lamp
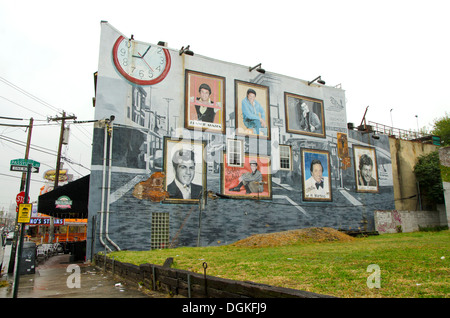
(392,124)
(417,120)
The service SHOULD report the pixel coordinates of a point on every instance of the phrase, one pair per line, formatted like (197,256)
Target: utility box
(28,258)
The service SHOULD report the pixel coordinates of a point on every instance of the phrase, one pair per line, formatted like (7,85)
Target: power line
(43,149)
(37,99)
(8,175)
(34,147)
(12,118)
(11,125)
(17,104)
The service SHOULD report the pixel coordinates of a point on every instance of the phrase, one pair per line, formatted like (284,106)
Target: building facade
(259,152)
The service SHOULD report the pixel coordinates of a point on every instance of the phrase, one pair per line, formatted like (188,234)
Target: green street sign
(22,164)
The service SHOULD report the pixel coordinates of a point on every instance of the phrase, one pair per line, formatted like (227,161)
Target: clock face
(141,63)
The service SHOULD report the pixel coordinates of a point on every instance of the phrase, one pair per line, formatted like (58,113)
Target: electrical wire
(17,177)
(43,150)
(17,104)
(21,143)
(37,99)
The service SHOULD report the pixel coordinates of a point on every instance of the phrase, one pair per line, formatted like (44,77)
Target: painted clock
(141,63)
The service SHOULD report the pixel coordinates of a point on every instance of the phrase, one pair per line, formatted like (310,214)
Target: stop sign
(20,198)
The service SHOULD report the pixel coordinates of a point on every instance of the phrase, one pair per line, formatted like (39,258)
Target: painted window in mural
(205,101)
(366,171)
(285,157)
(160,230)
(251,181)
(304,115)
(235,153)
(185,170)
(252,109)
(316,175)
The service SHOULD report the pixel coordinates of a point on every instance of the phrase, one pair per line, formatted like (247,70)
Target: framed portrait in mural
(251,180)
(204,102)
(252,110)
(366,169)
(304,115)
(316,175)
(185,170)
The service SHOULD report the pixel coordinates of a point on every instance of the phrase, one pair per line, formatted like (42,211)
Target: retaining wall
(393,221)
(194,285)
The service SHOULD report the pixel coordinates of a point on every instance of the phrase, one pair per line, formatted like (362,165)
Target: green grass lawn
(410,264)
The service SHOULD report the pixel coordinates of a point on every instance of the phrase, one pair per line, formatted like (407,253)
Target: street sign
(25,162)
(23,169)
(20,198)
(24,213)
(22,165)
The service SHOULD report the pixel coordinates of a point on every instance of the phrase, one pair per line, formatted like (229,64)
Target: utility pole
(22,231)
(22,188)
(58,162)
(27,152)
(61,134)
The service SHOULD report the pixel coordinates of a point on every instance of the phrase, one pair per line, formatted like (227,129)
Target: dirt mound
(308,235)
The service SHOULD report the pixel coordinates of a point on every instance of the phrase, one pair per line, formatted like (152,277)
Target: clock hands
(145,61)
(146,51)
(141,56)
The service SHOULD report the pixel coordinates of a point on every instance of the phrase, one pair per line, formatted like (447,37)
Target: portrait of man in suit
(182,187)
(184,167)
(366,171)
(316,171)
(304,115)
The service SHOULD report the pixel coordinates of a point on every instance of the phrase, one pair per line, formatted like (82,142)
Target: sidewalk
(50,281)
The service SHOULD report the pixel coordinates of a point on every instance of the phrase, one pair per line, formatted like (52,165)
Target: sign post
(24,212)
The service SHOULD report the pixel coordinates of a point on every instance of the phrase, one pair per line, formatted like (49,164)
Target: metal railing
(395,132)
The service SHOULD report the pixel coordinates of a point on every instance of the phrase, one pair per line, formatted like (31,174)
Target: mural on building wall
(256,176)
(249,179)
(316,175)
(304,115)
(185,170)
(366,170)
(205,101)
(252,109)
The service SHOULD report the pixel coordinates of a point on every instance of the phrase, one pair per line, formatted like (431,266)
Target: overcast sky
(385,54)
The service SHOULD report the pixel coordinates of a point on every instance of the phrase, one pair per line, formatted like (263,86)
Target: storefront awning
(68,201)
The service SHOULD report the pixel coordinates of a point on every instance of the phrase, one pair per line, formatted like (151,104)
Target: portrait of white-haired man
(183,162)
(317,185)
